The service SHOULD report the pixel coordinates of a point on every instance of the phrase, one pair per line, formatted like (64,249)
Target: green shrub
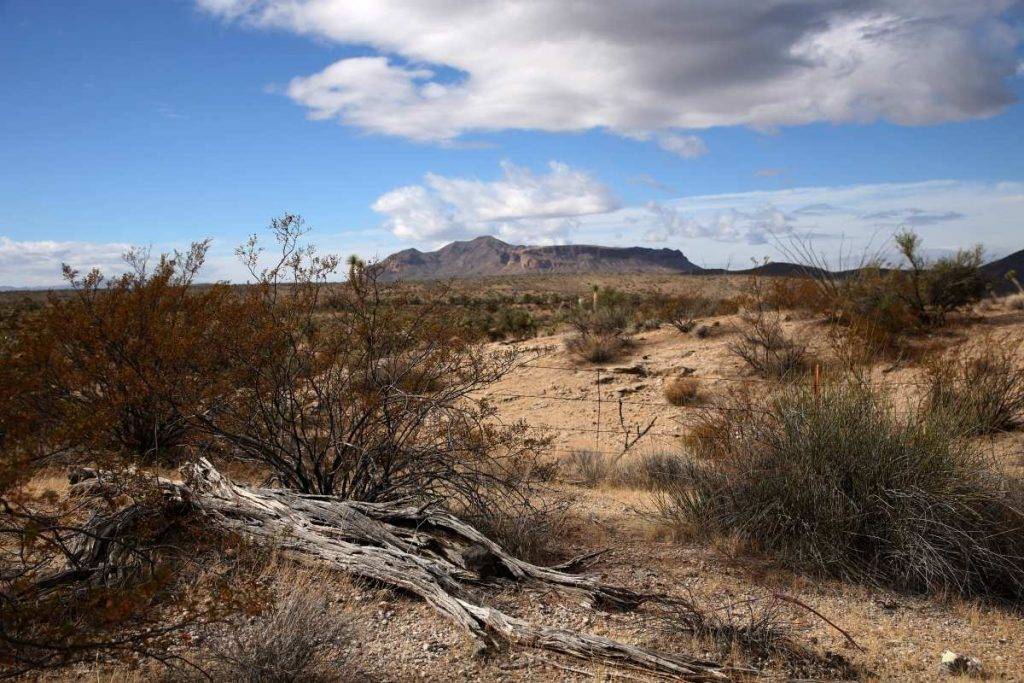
(835,484)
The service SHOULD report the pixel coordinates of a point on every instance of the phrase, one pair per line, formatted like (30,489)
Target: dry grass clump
(682,391)
(981,389)
(652,471)
(767,350)
(646,471)
(834,483)
(597,348)
(1015,302)
(587,468)
(301,636)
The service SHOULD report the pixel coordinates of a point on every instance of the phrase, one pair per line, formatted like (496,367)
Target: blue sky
(159,122)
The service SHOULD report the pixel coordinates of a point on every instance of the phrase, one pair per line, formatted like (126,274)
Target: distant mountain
(997,270)
(488,256)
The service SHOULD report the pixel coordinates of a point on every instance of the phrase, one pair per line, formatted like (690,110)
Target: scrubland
(809,478)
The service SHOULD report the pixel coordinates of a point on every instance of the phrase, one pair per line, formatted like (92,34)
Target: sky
(723,128)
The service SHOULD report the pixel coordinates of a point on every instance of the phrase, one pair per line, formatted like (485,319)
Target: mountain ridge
(488,256)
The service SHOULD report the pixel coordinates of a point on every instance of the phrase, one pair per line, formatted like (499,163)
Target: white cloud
(643,69)
(38,263)
(718,229)
(521,206)
(686,146)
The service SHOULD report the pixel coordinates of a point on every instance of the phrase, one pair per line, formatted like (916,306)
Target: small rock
(960,665)
(638,370)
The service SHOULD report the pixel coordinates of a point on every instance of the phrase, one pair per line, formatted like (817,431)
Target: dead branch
(424,551)
(631,434)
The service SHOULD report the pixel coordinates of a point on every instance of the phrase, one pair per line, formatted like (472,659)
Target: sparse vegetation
(645,470)
(835,483)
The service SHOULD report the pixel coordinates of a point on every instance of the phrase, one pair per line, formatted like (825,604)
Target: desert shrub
(793,293)
(1015,302)
(682,391)
(596,348)
(766,349)
(96,377)
(981,389)
(298,636)
(117,359)
(372,403)
(881,304)
(599,333)
(512,323)
(683,313)
(834,483)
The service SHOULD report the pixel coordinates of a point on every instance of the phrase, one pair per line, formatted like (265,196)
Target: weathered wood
(424,551)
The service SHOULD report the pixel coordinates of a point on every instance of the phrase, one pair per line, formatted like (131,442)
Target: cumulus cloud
(38,263)
(648,69)
(520,206)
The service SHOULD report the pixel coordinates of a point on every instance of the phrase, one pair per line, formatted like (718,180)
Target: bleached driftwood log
(424,551)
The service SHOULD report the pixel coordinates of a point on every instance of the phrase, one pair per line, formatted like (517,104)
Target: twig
(828,621)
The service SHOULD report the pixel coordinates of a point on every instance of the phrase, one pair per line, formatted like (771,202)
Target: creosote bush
(837,484)
(981,389)
(370,403)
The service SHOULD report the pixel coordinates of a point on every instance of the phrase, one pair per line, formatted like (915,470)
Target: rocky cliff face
(488,256)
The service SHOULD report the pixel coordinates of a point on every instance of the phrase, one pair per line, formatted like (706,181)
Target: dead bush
(980,388)
(300,636)
(682,391)
(834,483)
(1015,302)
